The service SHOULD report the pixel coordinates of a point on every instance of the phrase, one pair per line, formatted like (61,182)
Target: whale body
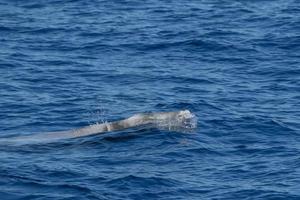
(176,120)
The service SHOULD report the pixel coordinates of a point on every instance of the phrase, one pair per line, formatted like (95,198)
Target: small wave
(132,180)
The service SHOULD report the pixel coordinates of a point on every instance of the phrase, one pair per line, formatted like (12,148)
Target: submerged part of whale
(177,121)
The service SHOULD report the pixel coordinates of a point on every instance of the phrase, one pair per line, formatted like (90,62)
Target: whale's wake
(182,121)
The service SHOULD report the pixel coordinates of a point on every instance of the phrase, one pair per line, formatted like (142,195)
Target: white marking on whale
(177,121)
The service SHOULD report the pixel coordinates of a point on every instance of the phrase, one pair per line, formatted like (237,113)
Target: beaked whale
(177,120)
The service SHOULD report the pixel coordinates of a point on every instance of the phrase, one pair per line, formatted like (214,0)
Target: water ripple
(68,64)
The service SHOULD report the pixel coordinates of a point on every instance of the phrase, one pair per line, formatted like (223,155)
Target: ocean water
(73,63)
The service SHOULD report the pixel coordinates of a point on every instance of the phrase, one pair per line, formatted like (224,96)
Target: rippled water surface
(68,64)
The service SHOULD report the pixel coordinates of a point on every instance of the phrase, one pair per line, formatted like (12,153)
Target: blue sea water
(72,63)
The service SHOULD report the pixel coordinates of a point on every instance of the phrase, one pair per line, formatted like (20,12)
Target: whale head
(180,121)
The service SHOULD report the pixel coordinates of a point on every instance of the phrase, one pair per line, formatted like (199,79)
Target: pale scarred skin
(159,119)
(134,121)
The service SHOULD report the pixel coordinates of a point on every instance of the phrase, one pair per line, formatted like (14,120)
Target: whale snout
(182,121)
(187,119)
(185,113)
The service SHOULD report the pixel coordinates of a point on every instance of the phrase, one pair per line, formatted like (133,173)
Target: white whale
(178,120)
